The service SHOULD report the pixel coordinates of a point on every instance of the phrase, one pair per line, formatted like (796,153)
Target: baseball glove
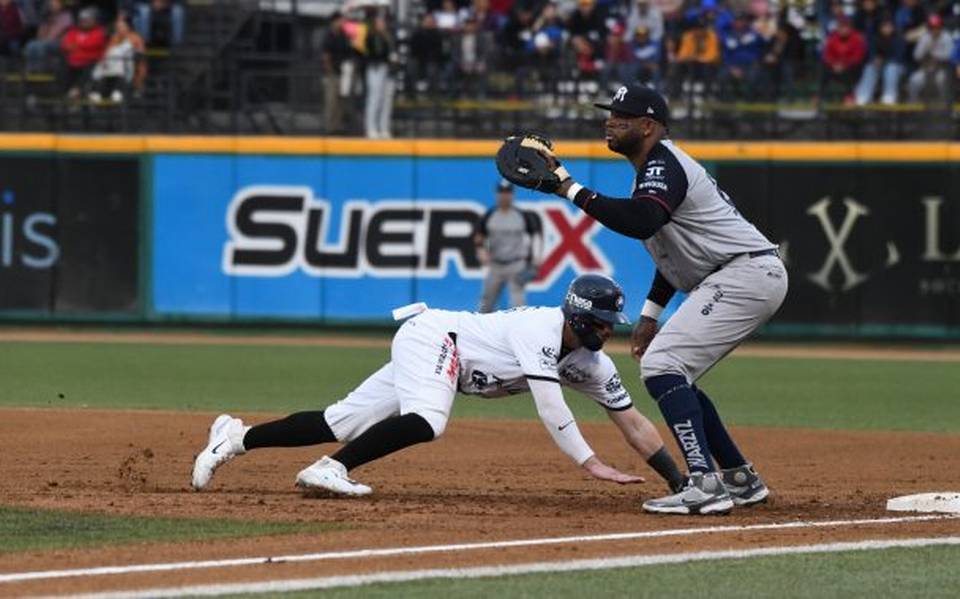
(528,161)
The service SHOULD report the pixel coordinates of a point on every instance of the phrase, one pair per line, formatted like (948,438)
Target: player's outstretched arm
(561,425)
(637,431)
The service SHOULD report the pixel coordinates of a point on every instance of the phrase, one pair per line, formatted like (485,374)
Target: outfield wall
(339,230)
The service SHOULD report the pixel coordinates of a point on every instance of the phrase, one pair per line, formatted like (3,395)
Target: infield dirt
(483,481)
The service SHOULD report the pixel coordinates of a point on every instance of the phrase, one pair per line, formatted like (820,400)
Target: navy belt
(757,254)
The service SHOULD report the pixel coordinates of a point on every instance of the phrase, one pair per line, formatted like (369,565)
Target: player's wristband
(573,191)
(651,310)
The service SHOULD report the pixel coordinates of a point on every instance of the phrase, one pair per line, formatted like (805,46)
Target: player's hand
(599,470)
(643,333)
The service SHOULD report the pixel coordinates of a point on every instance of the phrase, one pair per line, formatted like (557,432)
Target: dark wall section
(69,234)
(864,244)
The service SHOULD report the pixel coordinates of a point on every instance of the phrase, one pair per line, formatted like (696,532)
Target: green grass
(28,530)
(794,392)
(901,573)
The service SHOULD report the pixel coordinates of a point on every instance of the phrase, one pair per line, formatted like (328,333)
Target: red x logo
(571,234)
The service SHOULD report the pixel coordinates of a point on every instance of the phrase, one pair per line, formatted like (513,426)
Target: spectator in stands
(910,18)
(122,65)
(429,61)
(784,57)
(932,55)
(379,51)
(546,44)
(517,29)
(885,63)
(336,51)
(586,25)
(743,49)
(476,48)
(868,19)
(56,21)
(644,14)
(843,57)
(720,16)
(449,17)
(697,58)
(620,64)
(83,46)
(11,28)
(955,62)
(161,22)
(647,53)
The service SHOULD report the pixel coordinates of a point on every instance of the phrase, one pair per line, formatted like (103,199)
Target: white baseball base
(948,503)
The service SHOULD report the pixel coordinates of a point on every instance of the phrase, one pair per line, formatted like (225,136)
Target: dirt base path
(485,480)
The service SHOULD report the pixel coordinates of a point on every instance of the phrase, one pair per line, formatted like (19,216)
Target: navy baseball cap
(504,185)
(639,100)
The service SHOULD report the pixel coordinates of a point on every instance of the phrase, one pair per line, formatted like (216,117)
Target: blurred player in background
(510,243)
(437,353)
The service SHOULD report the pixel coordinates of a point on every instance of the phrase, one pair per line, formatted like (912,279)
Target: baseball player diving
(701,245)
(437,353)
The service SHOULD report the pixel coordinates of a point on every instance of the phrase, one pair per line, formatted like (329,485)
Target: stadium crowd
(93,49)
(853,51)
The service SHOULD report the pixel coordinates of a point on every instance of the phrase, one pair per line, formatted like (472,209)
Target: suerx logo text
(275,231)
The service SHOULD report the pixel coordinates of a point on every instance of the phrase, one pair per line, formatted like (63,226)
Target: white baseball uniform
(439,352)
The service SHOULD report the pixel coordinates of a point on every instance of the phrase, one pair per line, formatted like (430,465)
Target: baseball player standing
(435,354)
(510,243)
(700,244)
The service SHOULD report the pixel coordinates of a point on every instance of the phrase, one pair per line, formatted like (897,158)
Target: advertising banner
(350,238)
(870,248)
(69,234)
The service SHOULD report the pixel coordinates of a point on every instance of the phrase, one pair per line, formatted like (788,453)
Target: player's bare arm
(637,431)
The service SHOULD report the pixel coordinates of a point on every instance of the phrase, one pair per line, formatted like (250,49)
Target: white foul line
(630,561)
(361,553)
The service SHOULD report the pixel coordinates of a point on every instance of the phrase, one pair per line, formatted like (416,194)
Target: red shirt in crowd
(10,24)
(845,51)
(84,47)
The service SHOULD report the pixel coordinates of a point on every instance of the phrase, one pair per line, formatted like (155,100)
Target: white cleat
(226,441)
(329,476)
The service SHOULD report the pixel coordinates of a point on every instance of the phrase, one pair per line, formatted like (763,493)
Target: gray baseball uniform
(732,273)
(509,237)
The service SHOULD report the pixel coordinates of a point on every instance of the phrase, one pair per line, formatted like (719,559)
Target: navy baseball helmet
(590,299)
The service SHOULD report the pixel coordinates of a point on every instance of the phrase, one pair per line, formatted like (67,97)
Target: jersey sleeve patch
(662,180)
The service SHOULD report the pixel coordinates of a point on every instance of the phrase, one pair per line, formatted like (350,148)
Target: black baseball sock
(663,463)
(722,446)
(383,438)
(296,430)
(681,409)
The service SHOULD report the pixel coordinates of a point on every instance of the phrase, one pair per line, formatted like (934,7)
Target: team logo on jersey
(573,374)
(275,231)
(614,384)
(548,358)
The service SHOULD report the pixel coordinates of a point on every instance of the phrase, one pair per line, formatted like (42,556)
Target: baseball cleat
(704,494)
(329,476)
(745,485)
(226,441)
